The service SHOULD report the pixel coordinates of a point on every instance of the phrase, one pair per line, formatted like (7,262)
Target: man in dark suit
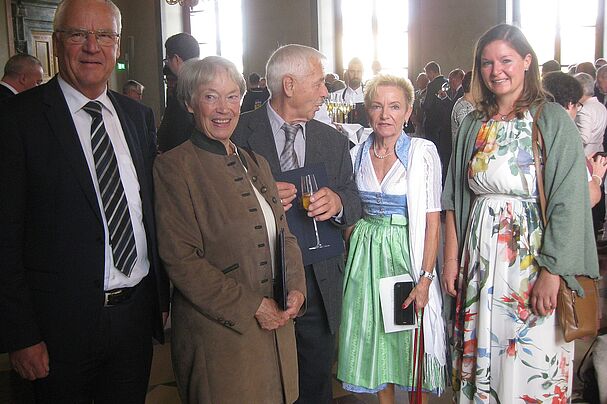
(81,292)
(437,109)
(283,131)
(177,123)
(21,72)
(456,91)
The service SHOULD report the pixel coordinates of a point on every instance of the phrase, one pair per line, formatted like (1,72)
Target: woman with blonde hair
(399,180)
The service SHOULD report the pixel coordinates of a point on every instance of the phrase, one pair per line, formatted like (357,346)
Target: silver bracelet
(429,275)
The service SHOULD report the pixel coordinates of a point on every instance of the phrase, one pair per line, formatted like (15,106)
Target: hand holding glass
(308,188)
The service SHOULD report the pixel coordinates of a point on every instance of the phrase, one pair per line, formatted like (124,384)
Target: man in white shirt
(21,73)
(354,77)
(354,92)
(81,289)
(592,118)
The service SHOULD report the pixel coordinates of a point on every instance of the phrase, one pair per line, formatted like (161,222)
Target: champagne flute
(444,91)
(308,188)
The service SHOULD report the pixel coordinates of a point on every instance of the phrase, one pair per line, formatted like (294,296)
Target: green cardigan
(568,246)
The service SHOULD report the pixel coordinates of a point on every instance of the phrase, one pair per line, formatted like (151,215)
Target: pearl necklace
(378,155)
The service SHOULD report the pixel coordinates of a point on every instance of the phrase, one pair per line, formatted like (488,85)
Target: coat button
(274,199)
(254,178)
(199,252)
(282,217)
(264,189)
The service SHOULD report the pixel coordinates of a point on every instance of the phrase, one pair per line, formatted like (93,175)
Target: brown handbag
(578,317)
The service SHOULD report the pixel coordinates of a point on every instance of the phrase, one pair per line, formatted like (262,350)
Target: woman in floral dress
(502,265)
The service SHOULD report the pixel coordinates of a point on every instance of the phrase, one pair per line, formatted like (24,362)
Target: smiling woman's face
(388,111)
(217,107)
(503,69)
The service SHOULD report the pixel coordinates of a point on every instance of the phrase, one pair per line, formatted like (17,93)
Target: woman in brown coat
(218,215)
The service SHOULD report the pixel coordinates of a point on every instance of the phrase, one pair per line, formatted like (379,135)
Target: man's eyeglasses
(79,36)
(579,106)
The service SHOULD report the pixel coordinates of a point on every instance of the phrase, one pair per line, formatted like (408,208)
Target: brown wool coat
(214,245)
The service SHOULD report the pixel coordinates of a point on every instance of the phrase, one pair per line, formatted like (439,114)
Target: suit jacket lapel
(62,126)
(262,138)
(314,145)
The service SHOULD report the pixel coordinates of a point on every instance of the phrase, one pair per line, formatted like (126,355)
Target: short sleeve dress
(503,352)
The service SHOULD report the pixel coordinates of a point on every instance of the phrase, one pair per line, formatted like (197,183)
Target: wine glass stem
(316,231)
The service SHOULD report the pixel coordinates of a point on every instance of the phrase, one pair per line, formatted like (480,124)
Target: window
(217,25)
(375,30)
(568,31)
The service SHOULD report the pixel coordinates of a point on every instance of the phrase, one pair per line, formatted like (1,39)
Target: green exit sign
(120,66)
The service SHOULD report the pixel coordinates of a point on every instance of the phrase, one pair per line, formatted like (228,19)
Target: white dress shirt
(82,121)
(355,96)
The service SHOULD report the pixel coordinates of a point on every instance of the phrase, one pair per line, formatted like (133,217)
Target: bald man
(21,73)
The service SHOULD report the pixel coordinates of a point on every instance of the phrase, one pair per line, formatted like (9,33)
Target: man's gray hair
(290,59)
(196,73)
(601,71)
(134,84)
(587,83)
(17,64)
(58,20)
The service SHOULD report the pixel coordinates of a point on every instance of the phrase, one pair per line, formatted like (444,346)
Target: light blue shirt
(279,134)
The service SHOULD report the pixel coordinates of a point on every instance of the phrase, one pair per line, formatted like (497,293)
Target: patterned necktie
(122,238)
(288,158)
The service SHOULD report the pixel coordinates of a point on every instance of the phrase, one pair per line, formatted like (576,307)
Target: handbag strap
(537,141)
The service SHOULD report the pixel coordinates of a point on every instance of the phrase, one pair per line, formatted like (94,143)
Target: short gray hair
(196,73)
(59,13)
(134,84)
(401,83)
(601,71)
(18,64)
(587,83)
(290,59)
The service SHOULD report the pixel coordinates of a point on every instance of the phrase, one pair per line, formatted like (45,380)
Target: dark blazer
(458,94)
(5,92)
(176,126)
(323,144)
(51,243)
(437,123)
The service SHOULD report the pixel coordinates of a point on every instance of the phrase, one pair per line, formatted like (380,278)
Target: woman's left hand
(419,294)
(542,299)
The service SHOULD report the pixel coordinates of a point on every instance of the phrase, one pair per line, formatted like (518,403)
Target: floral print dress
(503,352)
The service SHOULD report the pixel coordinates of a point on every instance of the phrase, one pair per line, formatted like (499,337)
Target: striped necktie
(288,158)
(122,238)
